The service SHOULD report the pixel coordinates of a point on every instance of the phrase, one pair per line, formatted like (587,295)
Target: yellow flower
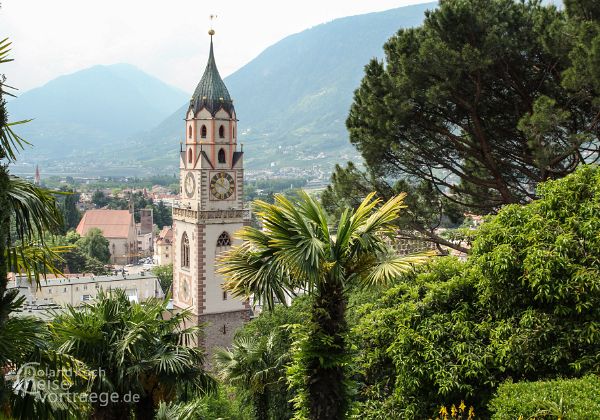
(443,411)
(462,406)
(453,410)
(471,413)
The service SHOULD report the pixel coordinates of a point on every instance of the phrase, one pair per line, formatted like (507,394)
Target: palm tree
(135,350)
(26,213)
(298,252)
(253,365)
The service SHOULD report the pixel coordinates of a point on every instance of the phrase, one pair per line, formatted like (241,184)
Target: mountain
(293,99)
(91,110)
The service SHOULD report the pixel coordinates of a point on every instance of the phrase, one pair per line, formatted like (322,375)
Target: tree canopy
(296,251)
(525,305)
(474,103)
(95,245)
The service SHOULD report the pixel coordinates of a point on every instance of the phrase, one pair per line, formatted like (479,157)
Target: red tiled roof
(112,223)
(166,235)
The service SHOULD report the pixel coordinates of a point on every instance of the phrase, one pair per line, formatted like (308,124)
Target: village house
(118,226)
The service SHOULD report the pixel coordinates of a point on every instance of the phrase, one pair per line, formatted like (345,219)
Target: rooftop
(211,93)
(112,223)
(22,281)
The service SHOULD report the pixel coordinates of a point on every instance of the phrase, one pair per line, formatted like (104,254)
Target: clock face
(190,185)
(184,289)
(222,186)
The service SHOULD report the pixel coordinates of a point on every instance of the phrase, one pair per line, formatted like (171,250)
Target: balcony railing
(179,209)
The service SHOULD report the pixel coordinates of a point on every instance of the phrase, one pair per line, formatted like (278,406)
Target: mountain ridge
(292,101)
(318,92)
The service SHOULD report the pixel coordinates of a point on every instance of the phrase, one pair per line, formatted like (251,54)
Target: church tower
(210,209)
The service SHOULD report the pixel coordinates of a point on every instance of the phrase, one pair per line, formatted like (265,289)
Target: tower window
(203,132)
(221,132)
(224,295)
(221,156)
(185,251)
(190,156)
(224,329)
(224,240)
(190,132)
(233,132)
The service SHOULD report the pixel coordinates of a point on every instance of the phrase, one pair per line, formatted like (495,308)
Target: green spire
(211,93)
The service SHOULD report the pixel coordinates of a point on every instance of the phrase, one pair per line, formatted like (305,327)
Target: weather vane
(211,31)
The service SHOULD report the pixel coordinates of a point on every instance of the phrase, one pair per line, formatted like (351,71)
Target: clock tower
(210,209)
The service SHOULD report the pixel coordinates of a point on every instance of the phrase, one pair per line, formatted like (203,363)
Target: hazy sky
(167,39)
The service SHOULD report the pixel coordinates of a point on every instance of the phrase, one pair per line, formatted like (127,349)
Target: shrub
(561,398)
(525,305)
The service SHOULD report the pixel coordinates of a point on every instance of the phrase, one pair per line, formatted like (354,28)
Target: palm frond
(10,142)
(390,266)
(314,212)
(34,209)
(382,219)
(4,50)
(19,335)
(36,260)
(250,270)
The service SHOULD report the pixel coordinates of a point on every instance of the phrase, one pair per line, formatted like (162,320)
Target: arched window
(221,132)
(190,156)
(221,156)
(223,242)
(185,251)
(190,132)
(203,132)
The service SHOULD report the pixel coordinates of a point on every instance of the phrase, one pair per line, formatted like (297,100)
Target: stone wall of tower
(215,299)
(220,328)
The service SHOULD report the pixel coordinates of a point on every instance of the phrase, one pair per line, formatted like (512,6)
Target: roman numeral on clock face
(222,185)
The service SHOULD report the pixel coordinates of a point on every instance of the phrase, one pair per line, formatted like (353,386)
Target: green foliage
(583,9)
(279,319)
(99,199)
(525,305)
(223,405)
(165,276)
(473,103)
(264,189)
(134,349)
(68,206)
(426,209)
(32,211)
(256,367)
(162,215)
(95,245)
(560,399)
(297,250)
(73,257)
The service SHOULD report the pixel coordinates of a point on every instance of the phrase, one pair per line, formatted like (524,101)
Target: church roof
(112,223)
(211,93)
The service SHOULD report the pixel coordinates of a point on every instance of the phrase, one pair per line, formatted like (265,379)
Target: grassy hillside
(293,98)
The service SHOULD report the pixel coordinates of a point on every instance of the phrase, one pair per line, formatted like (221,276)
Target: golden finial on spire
(211,31)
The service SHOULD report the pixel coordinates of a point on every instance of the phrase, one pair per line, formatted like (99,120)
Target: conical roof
(211,93)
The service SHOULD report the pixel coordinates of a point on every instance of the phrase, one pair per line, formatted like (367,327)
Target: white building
(76,289)
(163,247)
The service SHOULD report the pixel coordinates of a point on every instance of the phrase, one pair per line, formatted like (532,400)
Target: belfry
(210,210)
